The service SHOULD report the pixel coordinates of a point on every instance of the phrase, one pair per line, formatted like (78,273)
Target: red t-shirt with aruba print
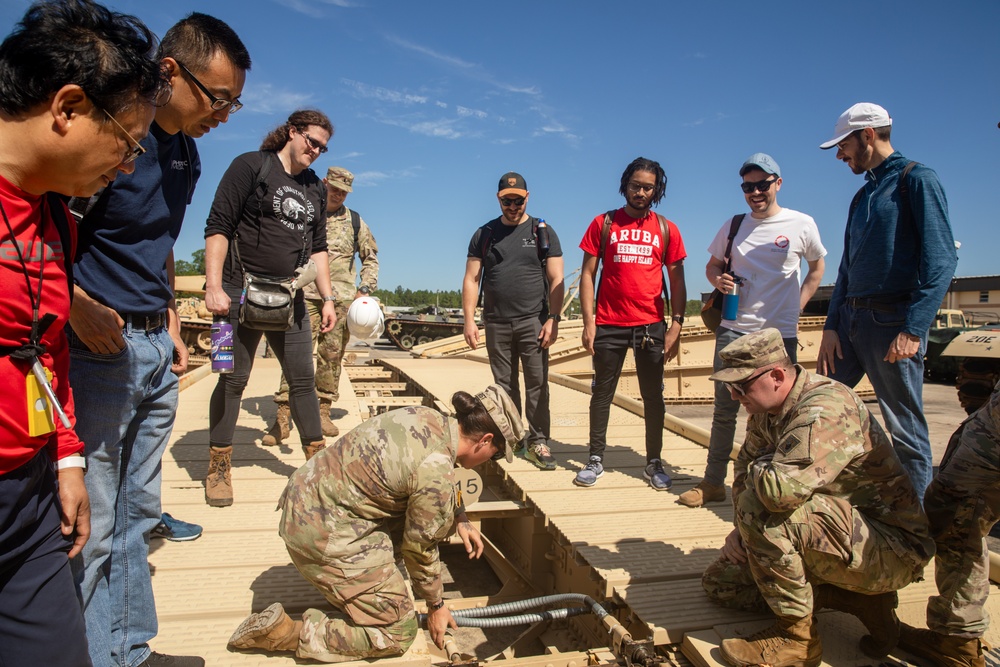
(631,286)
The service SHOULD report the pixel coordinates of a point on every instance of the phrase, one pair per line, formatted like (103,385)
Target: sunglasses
(218,104)
(313,144)
(132,152)
(762,186)
(742,387)
(512,201)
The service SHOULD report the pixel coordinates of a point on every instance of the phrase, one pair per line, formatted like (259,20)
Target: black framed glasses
(742,387)
(762,186)
(512,201)
(218,104)
(135,150)
(313,144)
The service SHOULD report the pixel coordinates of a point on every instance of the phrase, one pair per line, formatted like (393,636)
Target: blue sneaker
(657,478)
(171,529)
(590,473)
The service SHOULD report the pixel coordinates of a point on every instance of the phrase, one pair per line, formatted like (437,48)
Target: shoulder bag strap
(605,235)
(734,229)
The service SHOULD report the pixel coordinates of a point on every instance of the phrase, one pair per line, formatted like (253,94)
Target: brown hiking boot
(279,429)
(313,448)
(270,630)
(876,612)
(330,429)
(219,482)
(790,642)
(943,650)
(701,494)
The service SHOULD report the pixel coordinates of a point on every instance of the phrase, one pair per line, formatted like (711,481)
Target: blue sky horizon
(432,102)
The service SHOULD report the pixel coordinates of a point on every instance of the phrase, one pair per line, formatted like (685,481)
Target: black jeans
(506,344)
(610,346)
(293,349)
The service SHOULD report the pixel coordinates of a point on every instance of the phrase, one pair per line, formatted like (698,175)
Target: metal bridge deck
(619,540)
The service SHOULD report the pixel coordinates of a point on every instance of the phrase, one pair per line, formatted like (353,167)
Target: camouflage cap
(340,178)
(748,353)
(505,416)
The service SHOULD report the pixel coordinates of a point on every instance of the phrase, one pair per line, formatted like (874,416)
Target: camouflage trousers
(380,620)
(329,352)
(963,504)
(824,541)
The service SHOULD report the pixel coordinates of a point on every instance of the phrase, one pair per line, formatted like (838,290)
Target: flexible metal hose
(531,603)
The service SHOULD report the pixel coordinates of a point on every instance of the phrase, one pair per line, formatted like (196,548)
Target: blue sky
(433,101)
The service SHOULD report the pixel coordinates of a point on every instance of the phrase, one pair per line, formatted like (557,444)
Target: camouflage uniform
(393,474)
(963,503)
(820,497)
(330,346)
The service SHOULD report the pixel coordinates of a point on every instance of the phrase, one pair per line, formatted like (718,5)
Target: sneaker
(171,529)
(160,660)
(591,472)
(539,454)
(657,478)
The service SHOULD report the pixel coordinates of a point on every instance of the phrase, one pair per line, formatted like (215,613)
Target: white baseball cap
(858,117)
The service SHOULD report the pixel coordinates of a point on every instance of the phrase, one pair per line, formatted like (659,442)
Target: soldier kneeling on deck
(825,514)
(385,488)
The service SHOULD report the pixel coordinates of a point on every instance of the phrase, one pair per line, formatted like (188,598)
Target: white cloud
(266,99)
(465,112)
(430,53)
(313,8)
(440,104)
(349,156)
(374,178)
(367,91)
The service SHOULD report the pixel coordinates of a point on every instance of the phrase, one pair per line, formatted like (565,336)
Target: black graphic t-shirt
(271,228)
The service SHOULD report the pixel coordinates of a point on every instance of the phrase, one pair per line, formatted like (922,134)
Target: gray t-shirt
(513,277)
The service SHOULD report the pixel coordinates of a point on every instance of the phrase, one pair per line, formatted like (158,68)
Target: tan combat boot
(270,630)
(279,429)
(313,448)
(330,429)
(943,650)
(790,642)
(701,494)
(876,612)
(219,482)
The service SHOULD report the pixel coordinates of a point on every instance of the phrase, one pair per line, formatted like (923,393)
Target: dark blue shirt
(126,238)
(889,259)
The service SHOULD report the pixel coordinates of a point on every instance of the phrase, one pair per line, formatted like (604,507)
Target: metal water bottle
(542,232)
(222,345)
(731,301)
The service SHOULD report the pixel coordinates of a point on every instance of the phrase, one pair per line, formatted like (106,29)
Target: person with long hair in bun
(268,219)
(385,488)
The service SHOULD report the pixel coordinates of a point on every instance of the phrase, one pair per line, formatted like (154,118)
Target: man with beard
(635,245)
(899,259)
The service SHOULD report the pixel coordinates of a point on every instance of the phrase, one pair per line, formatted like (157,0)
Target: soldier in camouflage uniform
(963,504)
(825,514)
(341,248)
(384,490)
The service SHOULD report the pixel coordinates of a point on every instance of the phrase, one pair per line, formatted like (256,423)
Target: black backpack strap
(903,186)
(356,225)
(484,250)
(605,235)
(734,229)
(62,221)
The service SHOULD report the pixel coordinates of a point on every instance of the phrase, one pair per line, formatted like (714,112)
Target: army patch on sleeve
(795,444)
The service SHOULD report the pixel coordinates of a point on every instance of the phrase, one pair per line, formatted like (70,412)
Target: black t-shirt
(271,234)
(514,283)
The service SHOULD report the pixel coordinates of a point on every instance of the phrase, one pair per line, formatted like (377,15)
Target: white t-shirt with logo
(768,255)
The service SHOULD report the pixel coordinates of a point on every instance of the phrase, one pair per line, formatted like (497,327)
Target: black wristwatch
(555,316)
(365,289)
(679,319)
(435,606)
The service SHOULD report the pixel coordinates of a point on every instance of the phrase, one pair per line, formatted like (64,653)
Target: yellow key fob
(41,418)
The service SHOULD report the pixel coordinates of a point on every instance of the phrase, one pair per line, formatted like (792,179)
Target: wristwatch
(365,289)
(555,316)
(435,606)
(679,319)
(329,298)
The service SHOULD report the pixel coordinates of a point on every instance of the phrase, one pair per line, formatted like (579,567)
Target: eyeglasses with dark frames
(133,151)
(512,201)
(218,104)
(741,388)
(762,186)
(313,144)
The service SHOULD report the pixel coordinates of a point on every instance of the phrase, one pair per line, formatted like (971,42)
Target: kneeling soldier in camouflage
(384,489)
(825,514)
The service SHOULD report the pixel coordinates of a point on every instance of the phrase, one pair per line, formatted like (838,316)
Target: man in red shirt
(77,89)
(633,245)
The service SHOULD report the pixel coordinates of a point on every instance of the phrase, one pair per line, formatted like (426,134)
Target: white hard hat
(364,318)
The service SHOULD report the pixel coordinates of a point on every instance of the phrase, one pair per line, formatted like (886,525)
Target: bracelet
(434,607)
(71,461)
(329,298)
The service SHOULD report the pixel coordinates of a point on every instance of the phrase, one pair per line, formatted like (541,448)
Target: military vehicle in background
(977,355)
(196,321)
(947,325)
(428,324)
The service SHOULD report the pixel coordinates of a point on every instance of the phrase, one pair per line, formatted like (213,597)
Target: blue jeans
(125,407)
(720,445)
(865,336)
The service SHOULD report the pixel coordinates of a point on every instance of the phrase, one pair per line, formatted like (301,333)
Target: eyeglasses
(511,201)
(218,104)
(762,186)
(313,144)
(742,387)
(134,151)
(640,187)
